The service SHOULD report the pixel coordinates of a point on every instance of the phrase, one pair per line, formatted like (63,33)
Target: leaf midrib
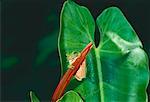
(100,76)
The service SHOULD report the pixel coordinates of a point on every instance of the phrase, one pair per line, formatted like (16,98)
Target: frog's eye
(75,53)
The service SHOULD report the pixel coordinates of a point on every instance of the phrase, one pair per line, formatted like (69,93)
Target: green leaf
(33,97)
(117,70)
(124,64)
(70,96)
(77,29)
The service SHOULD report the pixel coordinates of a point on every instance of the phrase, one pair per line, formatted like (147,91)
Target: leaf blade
(129,64)
(70,96)
(74,35)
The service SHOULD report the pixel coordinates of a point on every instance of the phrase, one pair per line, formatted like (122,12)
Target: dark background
(29,29)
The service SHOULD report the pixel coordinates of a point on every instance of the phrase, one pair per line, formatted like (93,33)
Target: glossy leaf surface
(117,70)
(70,96)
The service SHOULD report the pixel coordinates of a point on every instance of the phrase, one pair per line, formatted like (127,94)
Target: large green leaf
(117,70)
(124,65)
(77,29)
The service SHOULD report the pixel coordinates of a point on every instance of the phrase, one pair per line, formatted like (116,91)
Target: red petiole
(65,80)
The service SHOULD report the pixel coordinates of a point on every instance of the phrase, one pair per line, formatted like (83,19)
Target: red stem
(65,80)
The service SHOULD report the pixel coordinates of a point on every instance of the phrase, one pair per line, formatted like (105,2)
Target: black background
(25,22)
